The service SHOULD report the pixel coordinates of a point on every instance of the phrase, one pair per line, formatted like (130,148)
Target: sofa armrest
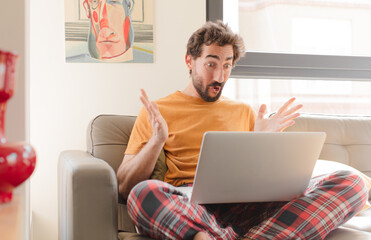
(87,192)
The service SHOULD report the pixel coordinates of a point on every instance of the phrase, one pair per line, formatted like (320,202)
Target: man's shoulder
(171,99)
(166,98)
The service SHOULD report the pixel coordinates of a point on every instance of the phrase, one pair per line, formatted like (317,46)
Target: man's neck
(191,91)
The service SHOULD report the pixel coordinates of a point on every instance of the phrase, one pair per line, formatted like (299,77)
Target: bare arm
(136,168)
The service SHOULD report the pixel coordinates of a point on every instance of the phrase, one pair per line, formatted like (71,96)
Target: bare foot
(201,236)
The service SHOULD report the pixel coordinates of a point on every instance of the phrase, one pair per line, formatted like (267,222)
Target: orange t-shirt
(188,118)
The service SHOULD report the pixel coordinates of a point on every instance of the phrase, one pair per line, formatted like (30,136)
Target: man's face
(110,28)
(211,70)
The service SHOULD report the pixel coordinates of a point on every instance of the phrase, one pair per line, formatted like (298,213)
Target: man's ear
(189,62)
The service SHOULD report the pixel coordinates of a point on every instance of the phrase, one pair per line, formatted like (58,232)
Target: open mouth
(215,89)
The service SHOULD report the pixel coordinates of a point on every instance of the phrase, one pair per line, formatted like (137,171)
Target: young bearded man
(177,123)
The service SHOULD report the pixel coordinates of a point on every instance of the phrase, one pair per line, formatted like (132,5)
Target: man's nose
(103,23)
(219,75)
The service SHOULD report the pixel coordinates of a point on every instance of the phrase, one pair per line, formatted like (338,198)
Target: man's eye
(115,1)
(227,66)
(95,3)
(210,64)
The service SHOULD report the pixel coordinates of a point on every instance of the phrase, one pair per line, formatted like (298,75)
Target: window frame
(293,66)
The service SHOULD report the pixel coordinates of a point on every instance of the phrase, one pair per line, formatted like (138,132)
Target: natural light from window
(305,27)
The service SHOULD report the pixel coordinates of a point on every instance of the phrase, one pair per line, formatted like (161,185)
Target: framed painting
(114,31)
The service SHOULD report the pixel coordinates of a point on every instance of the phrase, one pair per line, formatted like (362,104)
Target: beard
(204,91)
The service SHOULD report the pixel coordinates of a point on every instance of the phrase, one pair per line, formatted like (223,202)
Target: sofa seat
(359,227)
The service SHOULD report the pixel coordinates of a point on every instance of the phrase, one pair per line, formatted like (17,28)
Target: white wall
(65,97)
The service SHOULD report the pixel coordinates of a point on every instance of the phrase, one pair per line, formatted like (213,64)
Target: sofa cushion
(107,137)
(360,222)
(344,233)
(348,138)
(324,167)
(160,167)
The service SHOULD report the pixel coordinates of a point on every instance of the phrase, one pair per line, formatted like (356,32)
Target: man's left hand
(279,121)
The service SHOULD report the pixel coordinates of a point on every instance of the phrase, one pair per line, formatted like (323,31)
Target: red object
(17,160)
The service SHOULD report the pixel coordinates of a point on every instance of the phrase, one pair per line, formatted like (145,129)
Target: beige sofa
(91,209)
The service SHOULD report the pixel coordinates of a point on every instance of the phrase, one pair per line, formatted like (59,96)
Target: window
(356,100)
(268,25)
(315,50)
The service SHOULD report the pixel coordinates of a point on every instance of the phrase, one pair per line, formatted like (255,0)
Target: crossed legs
(162,212)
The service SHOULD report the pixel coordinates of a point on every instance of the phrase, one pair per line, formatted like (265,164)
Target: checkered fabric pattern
(160,211)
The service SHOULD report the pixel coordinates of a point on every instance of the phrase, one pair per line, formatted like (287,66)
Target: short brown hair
(215,33)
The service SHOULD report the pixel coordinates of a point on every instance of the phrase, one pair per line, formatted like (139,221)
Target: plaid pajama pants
(160,211)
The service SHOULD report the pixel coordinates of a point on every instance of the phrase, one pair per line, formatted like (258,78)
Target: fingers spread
(147,104)
(147,107)
(286,125)
(154,109)
(144,94)
(286,105)
(144,98)
(155,106)
(262,110)
(293,109)
(290,117)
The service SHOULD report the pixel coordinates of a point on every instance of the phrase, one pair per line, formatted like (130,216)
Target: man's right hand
(159,125)
(137,168)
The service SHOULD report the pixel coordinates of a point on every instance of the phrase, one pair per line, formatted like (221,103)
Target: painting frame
(92,35)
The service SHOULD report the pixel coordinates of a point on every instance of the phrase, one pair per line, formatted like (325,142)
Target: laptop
(254,166)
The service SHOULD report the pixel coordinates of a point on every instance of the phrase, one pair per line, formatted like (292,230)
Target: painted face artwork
(111,33)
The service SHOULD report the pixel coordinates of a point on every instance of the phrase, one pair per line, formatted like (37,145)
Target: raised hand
(279,121)
(159,125)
